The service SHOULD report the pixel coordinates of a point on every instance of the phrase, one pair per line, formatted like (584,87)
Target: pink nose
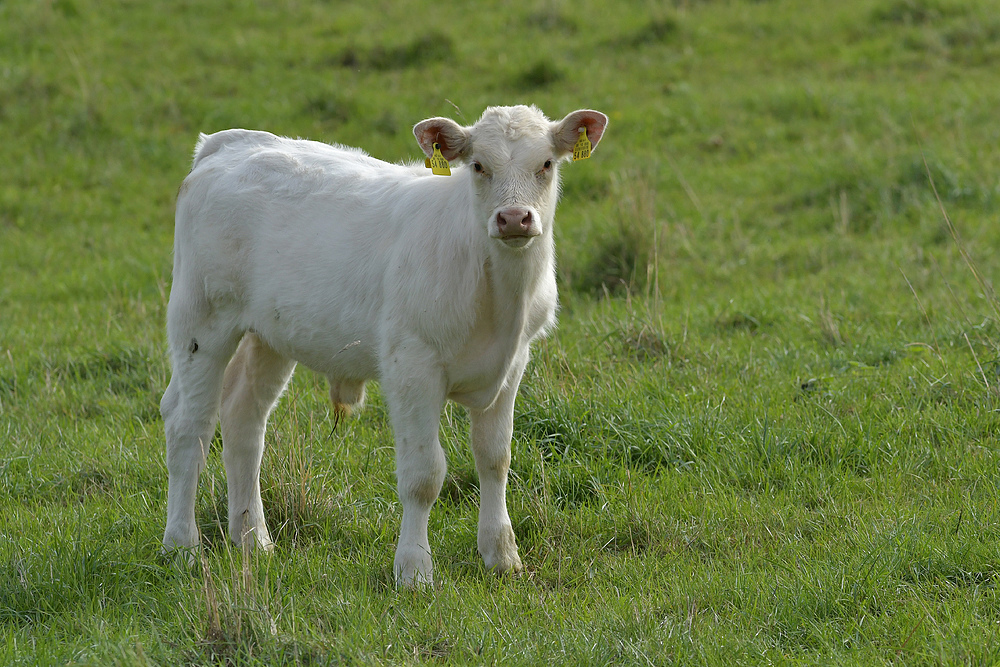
(514,222)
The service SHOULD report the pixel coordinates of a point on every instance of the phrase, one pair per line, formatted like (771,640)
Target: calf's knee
(421,481)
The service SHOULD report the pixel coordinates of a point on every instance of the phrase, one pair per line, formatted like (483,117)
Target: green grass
(765,431)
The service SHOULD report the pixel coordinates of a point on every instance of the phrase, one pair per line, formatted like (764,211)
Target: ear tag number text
(437,162)
(581,149)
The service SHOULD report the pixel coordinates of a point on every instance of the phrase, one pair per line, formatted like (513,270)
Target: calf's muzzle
(516,221)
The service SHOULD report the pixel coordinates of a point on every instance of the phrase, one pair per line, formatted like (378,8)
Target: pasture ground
(765,431)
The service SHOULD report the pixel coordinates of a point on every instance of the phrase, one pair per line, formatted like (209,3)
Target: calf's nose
(514,222)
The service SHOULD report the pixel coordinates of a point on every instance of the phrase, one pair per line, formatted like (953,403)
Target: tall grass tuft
(237,618)
(988,293)
(623,254)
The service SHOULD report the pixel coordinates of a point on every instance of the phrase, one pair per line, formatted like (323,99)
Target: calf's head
(513,156)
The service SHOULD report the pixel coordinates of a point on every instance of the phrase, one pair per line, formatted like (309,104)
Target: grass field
(765,432)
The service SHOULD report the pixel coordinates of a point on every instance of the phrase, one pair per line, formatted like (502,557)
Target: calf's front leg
(415,394)
(490,433)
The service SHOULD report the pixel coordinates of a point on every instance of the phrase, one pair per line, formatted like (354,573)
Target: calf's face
(514,155)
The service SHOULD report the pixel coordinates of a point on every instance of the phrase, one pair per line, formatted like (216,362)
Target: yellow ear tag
(581,149)
(437,162)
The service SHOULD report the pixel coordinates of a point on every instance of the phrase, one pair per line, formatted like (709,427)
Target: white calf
(291,250)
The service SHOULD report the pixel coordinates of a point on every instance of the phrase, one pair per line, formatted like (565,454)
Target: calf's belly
(330,352)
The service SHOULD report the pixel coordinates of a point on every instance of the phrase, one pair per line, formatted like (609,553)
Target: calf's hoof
(413,567)
(254,537)
(180,537)
(499,551)
(180,554)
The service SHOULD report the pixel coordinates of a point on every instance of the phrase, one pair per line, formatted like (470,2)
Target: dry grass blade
(984,285)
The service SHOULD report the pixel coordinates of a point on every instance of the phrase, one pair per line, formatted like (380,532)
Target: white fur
(296,251)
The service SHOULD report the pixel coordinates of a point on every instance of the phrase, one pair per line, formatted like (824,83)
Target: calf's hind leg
(255,378)
(190,407)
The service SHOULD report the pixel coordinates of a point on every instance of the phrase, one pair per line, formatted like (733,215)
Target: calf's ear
(452,137)
(567,131)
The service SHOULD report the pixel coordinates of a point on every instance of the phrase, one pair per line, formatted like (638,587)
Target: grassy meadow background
(765,431)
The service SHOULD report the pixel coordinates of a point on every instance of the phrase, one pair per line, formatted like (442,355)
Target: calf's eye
(478,167)
(547,165)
